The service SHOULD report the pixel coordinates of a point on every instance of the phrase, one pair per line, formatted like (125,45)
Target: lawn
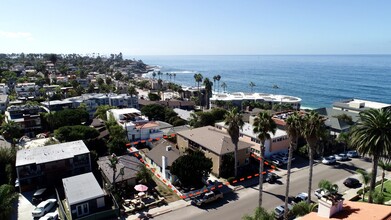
(387,190)
(163,190)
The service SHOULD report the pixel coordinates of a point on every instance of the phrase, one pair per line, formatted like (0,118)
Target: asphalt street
(236,204)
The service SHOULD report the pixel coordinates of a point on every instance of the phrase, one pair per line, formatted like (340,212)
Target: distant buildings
(358,105)
(3,103)
(137,126)
(238,98)
(26,90)
(4,89)
(26,116)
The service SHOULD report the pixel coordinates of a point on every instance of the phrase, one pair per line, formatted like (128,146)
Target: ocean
(318,80)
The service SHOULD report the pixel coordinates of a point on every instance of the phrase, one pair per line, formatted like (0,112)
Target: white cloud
(16,35)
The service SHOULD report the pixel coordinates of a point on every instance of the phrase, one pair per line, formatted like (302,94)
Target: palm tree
(384,166)
(293,129)
(312,131)
(7,198)
(214,83)
(218,77)
(327,185)
(144,175)
(372,136)
(343,138)
(159,74)
(234,120)
(174,76)
(113,161)
(224,86)
(264,125)
(251,84)
(365,177)
(153,75)
(208,89)
(198,78)
(302,208)
(260,213)
(167,74)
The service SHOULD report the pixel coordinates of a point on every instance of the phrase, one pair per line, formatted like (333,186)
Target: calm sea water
(318,80)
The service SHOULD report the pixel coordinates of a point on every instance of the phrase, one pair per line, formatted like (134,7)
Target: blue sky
(198,27)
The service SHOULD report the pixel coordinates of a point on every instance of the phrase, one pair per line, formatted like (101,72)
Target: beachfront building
(40,166)
(238,98)
(279,142)
(215,144)
(358,105)
(26,116)
(137,126)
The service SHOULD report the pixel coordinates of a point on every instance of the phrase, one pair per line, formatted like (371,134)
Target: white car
(329,160)
(300,197)
(352,154)
(43,207)
(50,216)
(279,211)
(341,157)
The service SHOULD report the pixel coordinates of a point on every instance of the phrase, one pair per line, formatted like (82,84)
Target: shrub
(378,197)
(231,179)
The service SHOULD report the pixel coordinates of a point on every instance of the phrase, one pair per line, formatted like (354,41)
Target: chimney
(164,165)
(168,148)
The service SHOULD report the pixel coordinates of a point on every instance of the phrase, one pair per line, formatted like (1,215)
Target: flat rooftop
(364,104)
(256,96)
(82,188)
(50,153)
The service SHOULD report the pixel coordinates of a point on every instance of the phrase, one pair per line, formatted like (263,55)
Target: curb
(169,210)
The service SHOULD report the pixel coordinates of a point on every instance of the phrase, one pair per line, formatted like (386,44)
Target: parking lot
(24,207)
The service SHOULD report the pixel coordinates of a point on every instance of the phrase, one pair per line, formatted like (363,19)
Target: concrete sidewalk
(159,210)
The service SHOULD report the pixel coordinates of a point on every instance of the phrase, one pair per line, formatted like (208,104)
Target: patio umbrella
(141,187)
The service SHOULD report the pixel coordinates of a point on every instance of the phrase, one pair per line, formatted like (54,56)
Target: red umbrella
(141,187)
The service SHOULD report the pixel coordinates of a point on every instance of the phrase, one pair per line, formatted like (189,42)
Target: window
(247,161)
(82,209)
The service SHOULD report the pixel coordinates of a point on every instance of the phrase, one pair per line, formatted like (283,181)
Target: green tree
(76,132)
(313,127)
(198,78)
(218,78)
(343,138)
(69,117)
(7,161)
(7,198)
(11,131)
(132,91)
(264,125)
(208,89)
(365,178)
(260,213)
(153,97)
(144,175)
(327,185)
(118,75)
(372,136)
(101,111)
(113,161)
(303,208)
(234,120)
(293,129)
(154,112)
(227,168)
(191,168)
(224,86)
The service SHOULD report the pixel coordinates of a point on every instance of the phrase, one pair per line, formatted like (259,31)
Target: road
(242,202)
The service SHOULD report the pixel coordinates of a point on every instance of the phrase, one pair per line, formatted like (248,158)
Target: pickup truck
(207,198)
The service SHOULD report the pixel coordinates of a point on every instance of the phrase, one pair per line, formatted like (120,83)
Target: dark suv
(41,195)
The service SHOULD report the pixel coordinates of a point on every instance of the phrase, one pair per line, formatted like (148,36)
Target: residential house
(184,114)
(40,166)
(3,103)
(161,157)
(25,90)
(278,142)
(26,116)
(172,103)
(4,89)
(86,199)
(358,105)
(215,144)
(127,169)
(137,126)
(334,122)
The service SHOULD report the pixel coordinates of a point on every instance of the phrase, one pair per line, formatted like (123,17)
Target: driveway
(23,207)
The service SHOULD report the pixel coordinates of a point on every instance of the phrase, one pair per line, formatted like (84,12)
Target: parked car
(270,177)
(207,198)
(329,160)
(321,192)
(341,157)
(351,182)
(43,207)
(300,197)
(40,195)
(50,216)
(352,154)
(279,211)
(277,163)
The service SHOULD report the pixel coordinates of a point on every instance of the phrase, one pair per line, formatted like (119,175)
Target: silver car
(43,207)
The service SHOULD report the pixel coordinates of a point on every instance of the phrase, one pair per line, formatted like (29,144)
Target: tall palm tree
(153,75)
(208,89)
(264,125)
(251,84)
(198,78)
(113,161)
(372,136)
(234,120)
(7,198)
(174,76)
(293,129)
(214,83)
(224,86)
(218,77)
(365,177)
(312,131)
(385,166)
